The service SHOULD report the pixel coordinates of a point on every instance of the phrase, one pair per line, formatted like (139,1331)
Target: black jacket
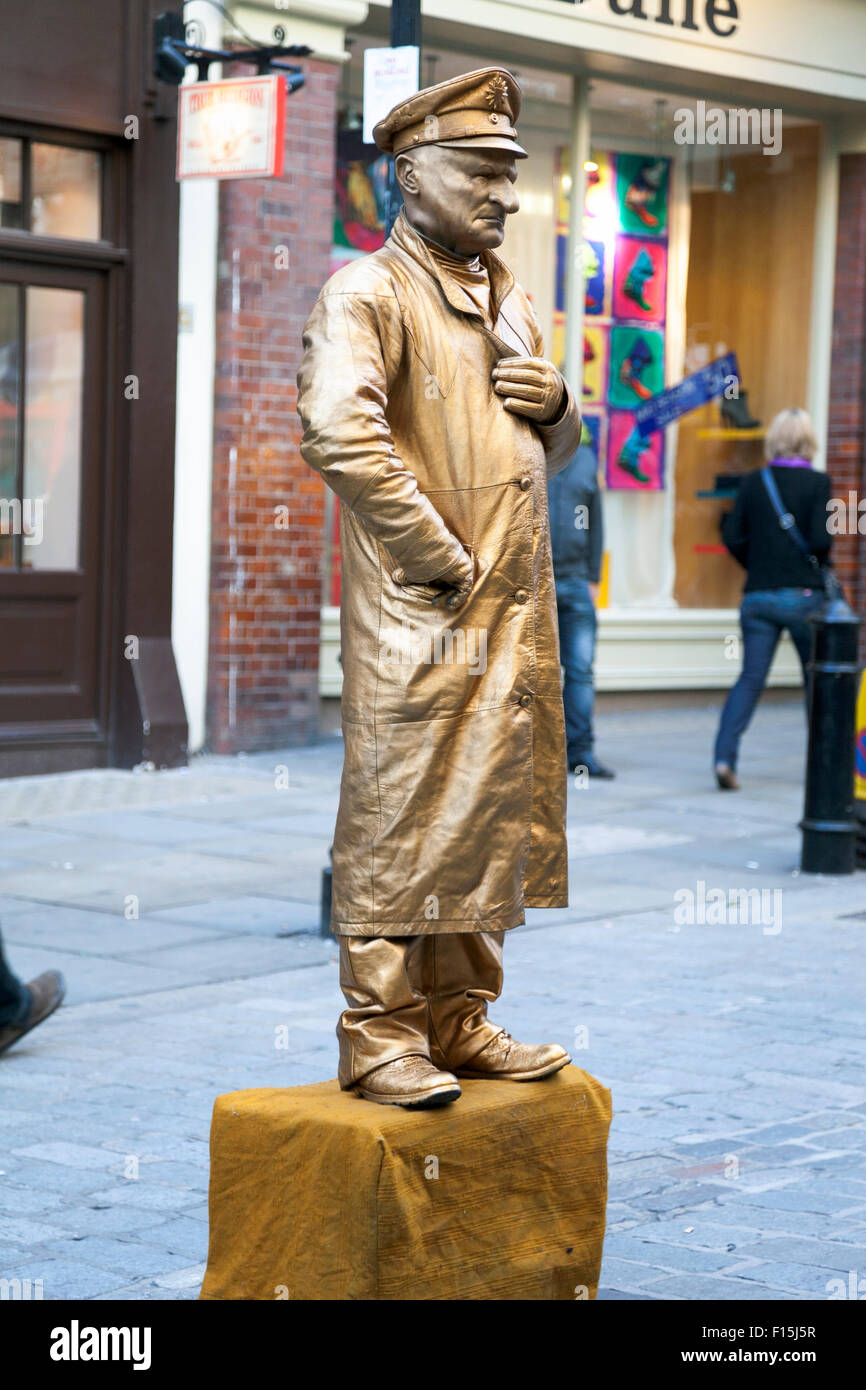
(754,537)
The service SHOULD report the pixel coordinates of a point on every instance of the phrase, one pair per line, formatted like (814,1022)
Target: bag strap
(788,524)
(786,519)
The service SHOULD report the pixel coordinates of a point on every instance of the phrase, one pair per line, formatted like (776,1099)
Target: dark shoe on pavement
(46,993)
(413,1082)
(726,778)
(503,1059)
(592,766)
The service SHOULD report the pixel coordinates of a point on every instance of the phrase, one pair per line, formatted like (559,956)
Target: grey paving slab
(63,1278)
(157,880)
(705,1288)
(266,916)
(229,957)
(90,933)
(181,1237)
(806,1280)
(128,1257)
(70,1155)
(664,1257)
(821,1254)
(319,824)
(97,977)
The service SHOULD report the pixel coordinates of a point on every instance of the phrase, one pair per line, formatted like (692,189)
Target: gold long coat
(452,805)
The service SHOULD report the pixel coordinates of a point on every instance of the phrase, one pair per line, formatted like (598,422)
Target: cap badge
(496,93)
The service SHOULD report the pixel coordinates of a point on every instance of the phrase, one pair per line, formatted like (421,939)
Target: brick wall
(846,453)
(266,579)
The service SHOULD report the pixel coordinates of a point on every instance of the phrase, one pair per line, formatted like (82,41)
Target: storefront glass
(65,197)
(698,243)
(62,185)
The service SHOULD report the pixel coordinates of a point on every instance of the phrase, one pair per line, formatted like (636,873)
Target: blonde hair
(791,435)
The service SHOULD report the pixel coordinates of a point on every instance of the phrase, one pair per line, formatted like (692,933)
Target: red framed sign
(233,129)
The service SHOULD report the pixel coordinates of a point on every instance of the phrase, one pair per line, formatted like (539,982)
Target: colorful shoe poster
(636,366)
(595,354)
(595,260)
(640,279)
(600,203)
(633,463)
(642,194)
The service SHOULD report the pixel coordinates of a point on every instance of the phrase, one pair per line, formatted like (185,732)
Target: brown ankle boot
(412,1082)
(503,1059)
(46,993)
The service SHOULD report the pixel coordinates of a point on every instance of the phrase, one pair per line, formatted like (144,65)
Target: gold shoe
(409,1081)
(503,1059)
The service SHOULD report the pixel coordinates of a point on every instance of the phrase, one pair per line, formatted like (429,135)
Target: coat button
(525,484)
(525,701)
(521,596)
(399,576)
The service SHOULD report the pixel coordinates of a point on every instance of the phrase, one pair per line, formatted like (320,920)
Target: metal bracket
(173,52)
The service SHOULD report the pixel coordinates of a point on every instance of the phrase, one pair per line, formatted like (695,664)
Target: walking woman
(780,590)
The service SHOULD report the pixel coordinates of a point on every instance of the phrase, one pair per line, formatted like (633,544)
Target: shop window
(50,190)
(41,378)
(65,188)
(692,250)
(11,210)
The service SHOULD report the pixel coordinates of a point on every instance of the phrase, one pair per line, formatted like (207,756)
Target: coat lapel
(505,340)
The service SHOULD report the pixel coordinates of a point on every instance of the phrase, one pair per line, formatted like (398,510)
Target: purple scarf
(791,463)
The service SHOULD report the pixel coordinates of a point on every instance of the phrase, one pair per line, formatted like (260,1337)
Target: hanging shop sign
(233,129)
(390,76)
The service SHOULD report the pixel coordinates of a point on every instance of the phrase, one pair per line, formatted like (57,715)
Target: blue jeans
(577,626)
(764,616)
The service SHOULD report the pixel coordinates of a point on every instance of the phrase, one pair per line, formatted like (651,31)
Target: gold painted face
(459,198)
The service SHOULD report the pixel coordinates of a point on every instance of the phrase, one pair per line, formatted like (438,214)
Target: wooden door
(53,640)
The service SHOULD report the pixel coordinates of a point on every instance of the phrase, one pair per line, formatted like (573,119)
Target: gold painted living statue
(428,408)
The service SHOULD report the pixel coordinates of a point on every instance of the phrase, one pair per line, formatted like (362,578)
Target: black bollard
(325,902)
(828,824)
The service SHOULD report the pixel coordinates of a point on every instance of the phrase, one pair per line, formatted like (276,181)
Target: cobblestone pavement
(182,907)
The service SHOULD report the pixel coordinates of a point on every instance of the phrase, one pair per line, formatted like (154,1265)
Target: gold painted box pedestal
(317,1194)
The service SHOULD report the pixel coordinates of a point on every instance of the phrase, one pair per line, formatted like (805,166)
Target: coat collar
(411,243)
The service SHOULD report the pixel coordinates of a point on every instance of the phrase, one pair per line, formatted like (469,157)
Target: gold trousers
(416,996)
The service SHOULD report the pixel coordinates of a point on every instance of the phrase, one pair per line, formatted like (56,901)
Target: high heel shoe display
(736,414)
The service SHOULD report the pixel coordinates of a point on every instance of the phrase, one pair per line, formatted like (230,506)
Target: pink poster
(640,279)
(633,463)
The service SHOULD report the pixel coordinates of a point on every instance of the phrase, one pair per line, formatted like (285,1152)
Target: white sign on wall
(233,129)
(390,76)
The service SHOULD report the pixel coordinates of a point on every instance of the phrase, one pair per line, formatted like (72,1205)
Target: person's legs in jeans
(577,626)
(761,631)
(14,996)
(801,632)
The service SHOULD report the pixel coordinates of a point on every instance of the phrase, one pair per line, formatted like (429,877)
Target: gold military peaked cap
(475,111)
